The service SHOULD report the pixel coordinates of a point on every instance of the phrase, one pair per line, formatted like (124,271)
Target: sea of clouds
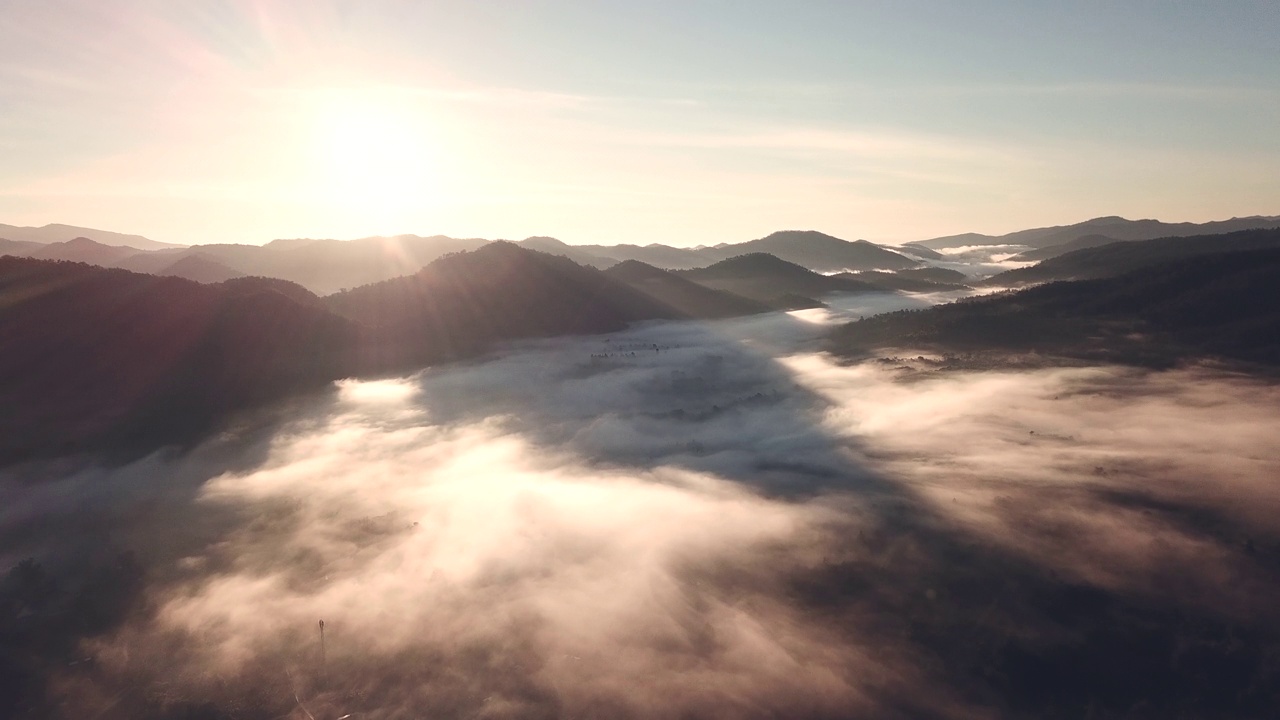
(680,520)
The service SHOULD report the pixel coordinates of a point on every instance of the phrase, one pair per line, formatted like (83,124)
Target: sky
(683,123)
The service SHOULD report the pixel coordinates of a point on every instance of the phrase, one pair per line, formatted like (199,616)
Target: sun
(372,158)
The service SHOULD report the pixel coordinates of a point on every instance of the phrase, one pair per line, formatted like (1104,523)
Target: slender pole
(322,652)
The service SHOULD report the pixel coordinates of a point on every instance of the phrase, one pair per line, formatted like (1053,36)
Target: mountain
(1121,257)
(84,250)
(1222,304)
(684,296)
(322,266)
(100,358)
(1111,226)
(894,282)
(463,304)
(327,266)
(201,268)
(106,359)
(765,278)
(808,248)
(936,274)
(660,256)
(576,253)
(1080,243)
(18,248)
(62,233)
(820,252)
(920,251)
(954,241)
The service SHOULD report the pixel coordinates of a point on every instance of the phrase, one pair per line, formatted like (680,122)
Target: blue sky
(682,123)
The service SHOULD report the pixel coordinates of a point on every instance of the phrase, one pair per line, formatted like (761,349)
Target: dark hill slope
(936,274)
(1088,241)
(84,250)
(57,233)
(656,255)
(684,296)
(200,268)
(920,251)
(107,358)
(1111,226)
(462,304)
(820,252)
(1123,257)
(1224,304)
(327,266)
(581,255)
(18,248)
(322,266)
(893,282)
(104,359)
(765,278)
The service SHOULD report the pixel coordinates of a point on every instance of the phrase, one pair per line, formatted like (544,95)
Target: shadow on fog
(709,397)
(887,605)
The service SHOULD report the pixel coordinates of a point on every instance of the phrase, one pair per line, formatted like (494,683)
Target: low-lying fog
(688,520)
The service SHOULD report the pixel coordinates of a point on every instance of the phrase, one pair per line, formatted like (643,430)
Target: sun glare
(372,158)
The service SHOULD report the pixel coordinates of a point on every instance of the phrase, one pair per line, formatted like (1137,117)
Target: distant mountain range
(682,294)
(329,266)
(61,233)
(1080,243)
(772,280)
(1117,228)
(1120,257)
(903,281)
(100,358)
(1220,304)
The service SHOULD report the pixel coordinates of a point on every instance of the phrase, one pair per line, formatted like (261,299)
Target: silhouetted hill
(18,248)
(200,268)
(57,233)
(251,285)
(101,358)
(954,241)
(765,278)
(327,266)
(920,251)
(323,266)
(157,261)
(819,251)
(1080,243)
(893,282)
(462,304)
(98,358)
(290,243)
(1222,304)
(1122,257)
(84,250)
(659,256)
(807,248)
(936,274)
(576,253)
(685,296)
(1112,226)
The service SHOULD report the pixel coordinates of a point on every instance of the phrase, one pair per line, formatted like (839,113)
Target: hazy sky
(674,122)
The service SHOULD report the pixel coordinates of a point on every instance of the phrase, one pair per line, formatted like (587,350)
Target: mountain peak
(538,242)
(800,235)
(82,241)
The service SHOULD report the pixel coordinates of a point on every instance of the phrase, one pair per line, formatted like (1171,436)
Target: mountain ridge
(1111,226)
